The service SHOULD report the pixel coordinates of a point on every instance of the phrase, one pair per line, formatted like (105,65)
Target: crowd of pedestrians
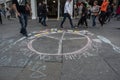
(103,12)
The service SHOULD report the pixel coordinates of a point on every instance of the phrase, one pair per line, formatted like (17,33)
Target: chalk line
(104,39)
(51,37)
(74,38)
(60,44)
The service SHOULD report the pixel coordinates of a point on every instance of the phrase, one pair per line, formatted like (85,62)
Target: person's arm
(28,6)
(15,9)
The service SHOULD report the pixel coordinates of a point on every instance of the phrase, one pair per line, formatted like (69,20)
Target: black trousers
(83,20)
(0,18)
(40,18)
(69,17)
(102,17)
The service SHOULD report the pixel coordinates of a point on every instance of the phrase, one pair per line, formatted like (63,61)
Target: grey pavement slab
(40,70)
(90,68)
(114,63)
(9,73)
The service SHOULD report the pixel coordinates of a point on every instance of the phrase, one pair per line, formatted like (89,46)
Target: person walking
(44,11)
(103,10)
(108,13)
(40,11)
(83,19)
(94,12)
(20,8)
(0,16)
(67,13)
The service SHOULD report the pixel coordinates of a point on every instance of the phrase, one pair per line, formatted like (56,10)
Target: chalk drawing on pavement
(105,40)
(37,68)
(60,41)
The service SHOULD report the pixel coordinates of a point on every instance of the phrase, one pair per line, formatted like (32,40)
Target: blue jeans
(43,20)
(93,19)
(69,17)
(23,18)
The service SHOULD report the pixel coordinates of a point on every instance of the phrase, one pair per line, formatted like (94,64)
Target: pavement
(51,53)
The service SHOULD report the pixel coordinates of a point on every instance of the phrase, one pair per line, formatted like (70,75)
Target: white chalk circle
(60,42)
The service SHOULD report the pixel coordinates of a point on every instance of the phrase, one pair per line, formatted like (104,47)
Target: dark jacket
(39,10)
(84,11)
(44,9)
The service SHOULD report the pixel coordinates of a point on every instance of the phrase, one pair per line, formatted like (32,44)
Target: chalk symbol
(61,41)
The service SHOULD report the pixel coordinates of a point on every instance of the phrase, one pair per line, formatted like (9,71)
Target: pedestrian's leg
(0,19)
(64,18)
(93,19)
(100,19)
(26,22)
(44,21)
(26,19)
(22,22)
(109,15)
(103,17)
(71,23)
(40,18)
(86,22)
(80,21)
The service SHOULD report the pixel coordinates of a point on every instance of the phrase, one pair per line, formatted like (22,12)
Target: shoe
(26,35)
(101,25)
(76,27)
(42,23)
(86,26)
(45,25)
(61,26)
(73,27)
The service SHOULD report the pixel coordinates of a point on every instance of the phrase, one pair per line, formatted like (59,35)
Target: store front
(55,8)
(52,8)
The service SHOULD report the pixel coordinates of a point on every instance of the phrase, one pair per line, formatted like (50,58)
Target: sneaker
(61,26)
(45,25)
(26,35)
(73,27)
